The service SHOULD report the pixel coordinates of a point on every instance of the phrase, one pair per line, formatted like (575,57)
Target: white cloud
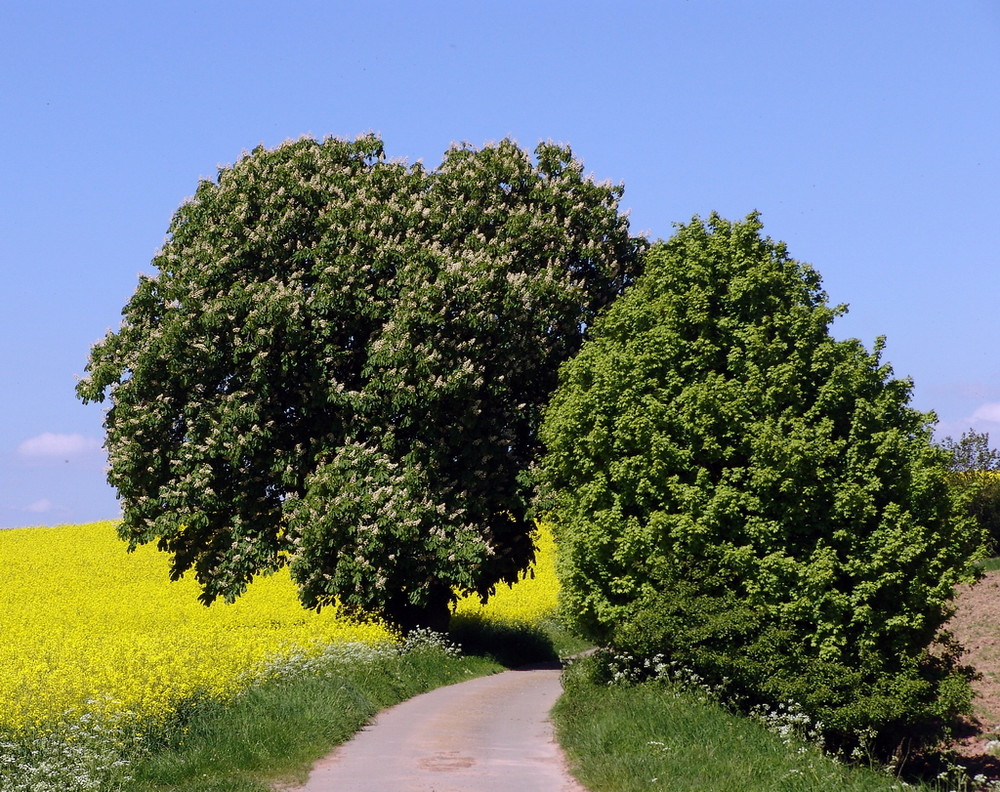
(50,445)
(987,412)
(986,418)
(40,506)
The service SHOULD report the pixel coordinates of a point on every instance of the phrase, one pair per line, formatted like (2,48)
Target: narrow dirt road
(490,734)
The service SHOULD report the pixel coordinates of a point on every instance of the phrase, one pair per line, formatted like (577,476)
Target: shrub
(735,489)
(976,476)
(981,488)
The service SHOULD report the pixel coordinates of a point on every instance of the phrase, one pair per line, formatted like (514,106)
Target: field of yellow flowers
(89,627)
(90,630)
(532,598)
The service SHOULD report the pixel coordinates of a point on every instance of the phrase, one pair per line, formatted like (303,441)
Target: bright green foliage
(737,490)
(342,363)
(976,476)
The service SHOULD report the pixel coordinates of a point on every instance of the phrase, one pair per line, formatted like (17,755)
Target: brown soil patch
(976,625)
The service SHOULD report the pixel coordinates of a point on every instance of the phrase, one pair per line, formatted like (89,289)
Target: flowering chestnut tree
(341,364)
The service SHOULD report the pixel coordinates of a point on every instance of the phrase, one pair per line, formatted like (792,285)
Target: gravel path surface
(490,734)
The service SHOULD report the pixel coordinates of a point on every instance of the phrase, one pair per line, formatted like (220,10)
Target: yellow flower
(531,598)
(88,627)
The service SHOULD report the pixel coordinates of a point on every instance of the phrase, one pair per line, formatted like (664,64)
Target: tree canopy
(975,476)
(341,362)
(736,490)
(972,452)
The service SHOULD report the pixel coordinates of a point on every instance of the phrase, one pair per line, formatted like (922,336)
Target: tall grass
(990,564)
(272,732)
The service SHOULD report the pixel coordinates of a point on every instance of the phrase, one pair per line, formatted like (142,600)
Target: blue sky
(866,133)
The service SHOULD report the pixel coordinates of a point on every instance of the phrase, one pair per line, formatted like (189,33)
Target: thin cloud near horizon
(984,419)
(52,444)
(43,506)
(988,412)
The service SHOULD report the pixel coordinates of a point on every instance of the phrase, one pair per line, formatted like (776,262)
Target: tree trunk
(434,615)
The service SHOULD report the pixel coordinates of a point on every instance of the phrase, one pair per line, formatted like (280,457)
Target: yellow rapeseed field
(86,627)
(532,598)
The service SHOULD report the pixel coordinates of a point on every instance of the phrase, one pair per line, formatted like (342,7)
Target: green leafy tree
(341,365)
(733,488)
(971,452)
(975,475)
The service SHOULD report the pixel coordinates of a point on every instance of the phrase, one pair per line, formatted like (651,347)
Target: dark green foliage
(511,645)
(976,476)
(341,364)
(971,452)
(984,504)
(734,488)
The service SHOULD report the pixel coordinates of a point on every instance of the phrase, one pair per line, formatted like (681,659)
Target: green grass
(654,736)
(274,731)
(990,564)
(618,738)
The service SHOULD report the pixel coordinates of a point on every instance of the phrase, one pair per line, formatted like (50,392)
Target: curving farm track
(490,734)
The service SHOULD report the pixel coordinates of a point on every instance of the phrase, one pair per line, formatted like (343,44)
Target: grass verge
(269,736)
(656,736)
(989,564)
